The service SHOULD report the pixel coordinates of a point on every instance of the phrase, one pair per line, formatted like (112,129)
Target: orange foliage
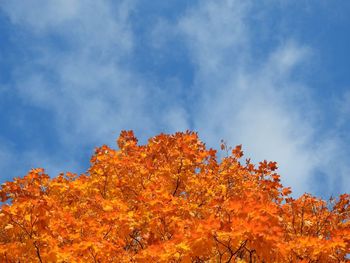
(168,201)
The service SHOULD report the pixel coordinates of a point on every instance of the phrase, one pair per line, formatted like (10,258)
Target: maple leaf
(170,200)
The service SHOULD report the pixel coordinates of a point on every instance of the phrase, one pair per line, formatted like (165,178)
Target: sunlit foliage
(170,200)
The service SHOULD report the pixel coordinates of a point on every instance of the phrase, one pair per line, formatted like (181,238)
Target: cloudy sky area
(271,75)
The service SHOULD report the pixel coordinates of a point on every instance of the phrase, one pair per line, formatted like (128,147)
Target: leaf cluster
(170,200)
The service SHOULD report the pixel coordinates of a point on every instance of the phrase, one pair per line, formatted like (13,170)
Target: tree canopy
(170,200)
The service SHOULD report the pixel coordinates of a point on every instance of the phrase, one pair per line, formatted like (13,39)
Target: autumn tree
(170,200)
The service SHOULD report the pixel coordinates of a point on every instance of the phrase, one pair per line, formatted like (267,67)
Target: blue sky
(271,75)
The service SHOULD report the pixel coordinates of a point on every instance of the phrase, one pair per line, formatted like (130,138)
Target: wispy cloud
(80,72)
(81,77)
(80,68)
(85,82)
(254,101)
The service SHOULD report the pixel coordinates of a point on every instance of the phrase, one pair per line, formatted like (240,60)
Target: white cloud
(39,14)
(177,119)
(252,101)
(93,92)
(87,84)
(95,28)
(216,33)
(87,87)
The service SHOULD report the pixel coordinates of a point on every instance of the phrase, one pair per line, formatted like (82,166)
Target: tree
(168,201)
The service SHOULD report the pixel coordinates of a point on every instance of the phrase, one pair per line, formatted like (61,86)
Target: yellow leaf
(183,246)
(308,223)
(8,226)
(107,208)
(131,213)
